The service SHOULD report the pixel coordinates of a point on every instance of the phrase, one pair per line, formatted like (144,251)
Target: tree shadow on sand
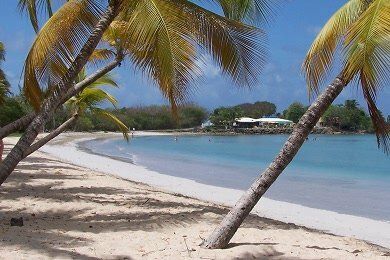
(47,231)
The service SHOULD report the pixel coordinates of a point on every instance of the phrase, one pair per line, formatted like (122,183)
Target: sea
(347,174)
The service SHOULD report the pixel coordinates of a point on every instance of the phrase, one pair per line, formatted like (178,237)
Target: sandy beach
(78,205)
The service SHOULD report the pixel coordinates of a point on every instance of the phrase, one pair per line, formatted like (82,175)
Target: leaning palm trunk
(35,146)
(24,121)
(229,225)
(17,125)
(52,102)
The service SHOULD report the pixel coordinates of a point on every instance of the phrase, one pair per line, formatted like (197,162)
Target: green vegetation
(347,117)
(13,108)
(294,112)
(224,116)
(152,118)
(258,109)
(344,117)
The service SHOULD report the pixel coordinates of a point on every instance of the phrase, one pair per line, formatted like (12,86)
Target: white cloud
(207,66)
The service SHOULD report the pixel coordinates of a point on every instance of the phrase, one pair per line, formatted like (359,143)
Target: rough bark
(229,225)
(52,102)
(17,125)
(1,149)
(35,146)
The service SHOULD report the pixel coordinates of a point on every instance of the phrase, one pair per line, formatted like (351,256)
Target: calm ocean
(346,173)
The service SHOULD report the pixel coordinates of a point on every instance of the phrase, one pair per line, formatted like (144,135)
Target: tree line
(344,117)
(154,117)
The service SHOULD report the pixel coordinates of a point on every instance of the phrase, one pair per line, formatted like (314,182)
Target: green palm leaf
(319,59)
(56,45)
(253,11)
(111,117)
(368,58)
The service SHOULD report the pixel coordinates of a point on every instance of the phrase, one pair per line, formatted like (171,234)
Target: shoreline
(367,229)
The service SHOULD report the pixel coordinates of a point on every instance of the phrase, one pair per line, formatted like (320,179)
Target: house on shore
(247,122)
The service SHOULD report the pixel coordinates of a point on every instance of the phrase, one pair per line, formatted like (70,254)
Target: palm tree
(89,100)
(361,29)
(164,39)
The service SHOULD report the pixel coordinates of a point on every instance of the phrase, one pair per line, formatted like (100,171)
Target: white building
(247,122)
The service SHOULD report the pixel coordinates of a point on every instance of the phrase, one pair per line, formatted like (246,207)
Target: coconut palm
(89,100)
(361,29)
(164,39)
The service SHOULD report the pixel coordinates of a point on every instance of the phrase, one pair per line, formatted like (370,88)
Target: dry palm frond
(368,59)
(319,59)
(57,44)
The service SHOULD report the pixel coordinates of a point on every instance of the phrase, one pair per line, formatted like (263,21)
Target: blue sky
(290,34)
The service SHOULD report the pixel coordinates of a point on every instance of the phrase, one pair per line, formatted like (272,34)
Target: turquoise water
(347,174)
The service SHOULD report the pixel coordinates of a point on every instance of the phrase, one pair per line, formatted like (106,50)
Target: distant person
(175,138)
(1,149)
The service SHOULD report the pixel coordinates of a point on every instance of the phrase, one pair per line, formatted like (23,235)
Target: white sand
(374,231)
(71,212)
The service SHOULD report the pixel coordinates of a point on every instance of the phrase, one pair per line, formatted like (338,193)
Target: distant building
(247,122)
(206,124)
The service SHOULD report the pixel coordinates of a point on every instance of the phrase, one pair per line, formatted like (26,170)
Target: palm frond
(319,59)
(2,52)
(252,11)
(156,35)
(89,98)
(56,45)
(100,56)
(107,80)
(166,40)
(367,49)
(33,8)
(111,117)
(237,48)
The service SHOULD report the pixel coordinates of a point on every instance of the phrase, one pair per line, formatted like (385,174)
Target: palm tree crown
(92,97)
(361,29)
(164,39)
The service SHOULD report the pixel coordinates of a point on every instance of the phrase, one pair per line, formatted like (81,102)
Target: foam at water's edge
(374,231)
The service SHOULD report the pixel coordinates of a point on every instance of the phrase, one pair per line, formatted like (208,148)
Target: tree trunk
(17,125)
(52,102)
(24,121)
(1,149)
(35,146)
(229,225)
